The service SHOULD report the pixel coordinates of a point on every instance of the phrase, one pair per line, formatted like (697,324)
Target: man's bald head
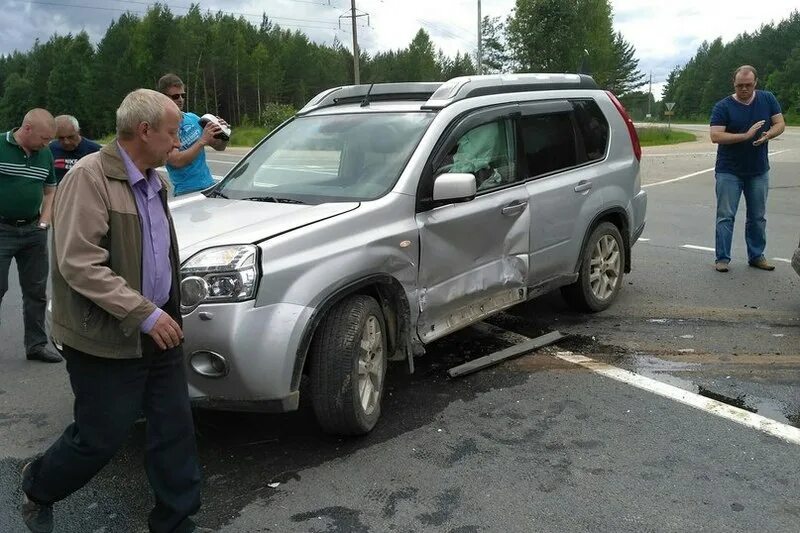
(37,130)
(68,132)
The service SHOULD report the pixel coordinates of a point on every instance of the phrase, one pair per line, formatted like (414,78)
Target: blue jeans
(729,190)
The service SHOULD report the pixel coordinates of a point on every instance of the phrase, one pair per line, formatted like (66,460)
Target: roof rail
(471,86)
(380,92)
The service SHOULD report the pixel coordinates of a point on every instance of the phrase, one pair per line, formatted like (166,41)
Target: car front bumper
(259,347)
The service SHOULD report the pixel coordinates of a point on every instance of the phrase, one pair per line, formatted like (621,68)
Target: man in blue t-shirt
(186,166)
(741,124)
(69,146)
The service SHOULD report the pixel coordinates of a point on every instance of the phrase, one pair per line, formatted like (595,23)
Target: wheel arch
(391,298)
(618,217)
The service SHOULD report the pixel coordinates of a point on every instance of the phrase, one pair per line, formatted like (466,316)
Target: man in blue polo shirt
(186,166)
(27,187)
(69,146)
(741,126)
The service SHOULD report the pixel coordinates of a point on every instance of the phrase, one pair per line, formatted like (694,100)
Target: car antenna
(365,101)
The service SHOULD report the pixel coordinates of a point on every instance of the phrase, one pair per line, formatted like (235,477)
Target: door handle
(514,208)
(583,185)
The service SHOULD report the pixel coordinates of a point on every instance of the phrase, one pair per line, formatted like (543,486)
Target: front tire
(348,366)
(601,271)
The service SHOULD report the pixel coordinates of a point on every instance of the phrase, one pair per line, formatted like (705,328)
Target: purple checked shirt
(156,268)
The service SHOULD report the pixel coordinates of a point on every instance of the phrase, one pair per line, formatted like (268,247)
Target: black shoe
(37,516)
(44,354)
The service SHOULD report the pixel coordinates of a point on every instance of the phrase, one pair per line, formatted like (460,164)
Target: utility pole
(480,46)
(650,95)
(356,52)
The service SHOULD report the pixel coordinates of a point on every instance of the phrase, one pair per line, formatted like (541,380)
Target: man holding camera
(186,166)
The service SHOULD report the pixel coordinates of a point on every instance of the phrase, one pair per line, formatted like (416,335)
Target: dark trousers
(28,245)
(110,395)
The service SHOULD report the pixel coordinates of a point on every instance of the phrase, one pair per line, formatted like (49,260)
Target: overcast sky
(664,33)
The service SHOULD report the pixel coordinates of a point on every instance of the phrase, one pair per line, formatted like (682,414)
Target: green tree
(495,55)
(17,100)
(625,75)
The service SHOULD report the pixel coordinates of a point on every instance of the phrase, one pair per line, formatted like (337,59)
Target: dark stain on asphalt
(397,496)
(735,402)
(343,520)
(462,450)
(738,507)
(446,504)
(37,419)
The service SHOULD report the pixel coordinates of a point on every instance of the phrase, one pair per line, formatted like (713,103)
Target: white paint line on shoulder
(740,416)
(781,259)
(643,239)
(221,161)
(687,176)
(699,172)
(678,154)
(693,247)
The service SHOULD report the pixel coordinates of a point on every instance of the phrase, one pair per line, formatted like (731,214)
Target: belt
(18,221)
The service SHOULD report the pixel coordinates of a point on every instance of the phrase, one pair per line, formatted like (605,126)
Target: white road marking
(643,239)
(182,201)
(699,172)
(740,416)
(679,154)
(215,176)
(687,176)
(782,259)
(221,161)
(704,248)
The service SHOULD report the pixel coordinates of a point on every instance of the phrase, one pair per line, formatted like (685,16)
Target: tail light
(637,148)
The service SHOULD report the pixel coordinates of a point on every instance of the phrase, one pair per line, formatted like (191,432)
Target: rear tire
(348,367)
(601,270)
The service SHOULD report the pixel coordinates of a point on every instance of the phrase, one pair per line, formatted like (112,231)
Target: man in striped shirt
(27,185)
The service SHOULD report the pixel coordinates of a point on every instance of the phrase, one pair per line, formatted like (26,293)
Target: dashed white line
(740,416)
(704,248)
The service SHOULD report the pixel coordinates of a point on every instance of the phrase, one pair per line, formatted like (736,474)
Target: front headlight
(221,274)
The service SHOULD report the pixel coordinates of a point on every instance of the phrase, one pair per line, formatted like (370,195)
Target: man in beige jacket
(116,313)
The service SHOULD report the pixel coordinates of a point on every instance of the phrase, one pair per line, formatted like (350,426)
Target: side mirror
(454,188)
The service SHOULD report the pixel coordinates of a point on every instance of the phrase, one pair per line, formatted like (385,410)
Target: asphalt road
(535,444)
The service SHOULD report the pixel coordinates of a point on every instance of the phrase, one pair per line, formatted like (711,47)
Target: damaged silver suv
(381,218)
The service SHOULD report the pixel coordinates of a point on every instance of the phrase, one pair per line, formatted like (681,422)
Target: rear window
(593,127)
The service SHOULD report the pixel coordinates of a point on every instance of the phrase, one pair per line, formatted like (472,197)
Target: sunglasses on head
(179,95)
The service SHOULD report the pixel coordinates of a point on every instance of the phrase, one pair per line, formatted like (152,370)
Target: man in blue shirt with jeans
(741,124)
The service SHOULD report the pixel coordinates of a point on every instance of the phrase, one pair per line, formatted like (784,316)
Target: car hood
(202,222)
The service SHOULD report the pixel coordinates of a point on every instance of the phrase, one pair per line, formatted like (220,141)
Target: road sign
(668,113)
(669,105)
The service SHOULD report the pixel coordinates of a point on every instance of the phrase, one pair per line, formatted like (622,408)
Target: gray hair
(68,118)
(745,68)
(141,105)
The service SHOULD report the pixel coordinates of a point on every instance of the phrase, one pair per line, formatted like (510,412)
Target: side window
(593,127)
(486,151)
(549,143)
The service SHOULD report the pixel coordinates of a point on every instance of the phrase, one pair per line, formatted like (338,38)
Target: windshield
(329,158)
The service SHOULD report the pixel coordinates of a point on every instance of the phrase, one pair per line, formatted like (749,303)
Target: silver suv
(381,218)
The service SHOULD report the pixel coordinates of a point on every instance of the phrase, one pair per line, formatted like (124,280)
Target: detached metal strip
(502,355)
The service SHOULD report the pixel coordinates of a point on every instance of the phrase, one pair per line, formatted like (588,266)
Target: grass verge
(247,135)
(659,136)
